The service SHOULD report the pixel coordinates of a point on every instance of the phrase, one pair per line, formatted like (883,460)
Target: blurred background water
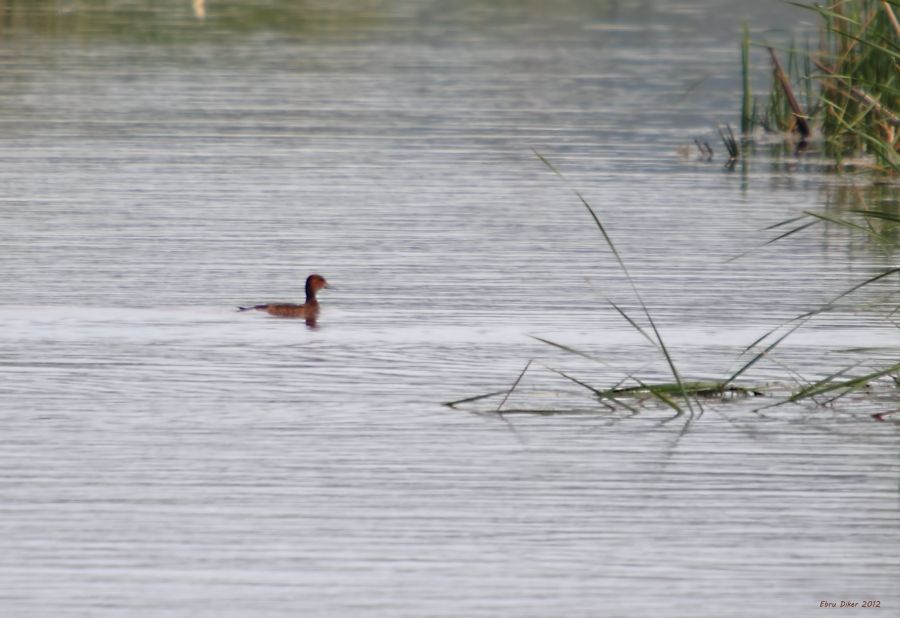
(163,454)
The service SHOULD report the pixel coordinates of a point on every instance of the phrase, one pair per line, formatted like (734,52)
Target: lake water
(165,455)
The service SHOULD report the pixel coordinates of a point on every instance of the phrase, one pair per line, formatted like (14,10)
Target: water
(163,454)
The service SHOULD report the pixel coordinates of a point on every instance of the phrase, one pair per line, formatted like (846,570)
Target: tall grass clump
(860,77)
(876,214)
(851,81)
(681,396)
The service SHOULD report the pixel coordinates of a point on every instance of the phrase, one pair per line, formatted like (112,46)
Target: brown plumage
(308,311)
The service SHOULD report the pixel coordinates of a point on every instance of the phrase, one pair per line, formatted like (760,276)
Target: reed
(747,107)
(731,144)
(656,338)
(832,384)
(681,396)
(872,211)
(875,214)
(856,104)
(860,80)
(877,218)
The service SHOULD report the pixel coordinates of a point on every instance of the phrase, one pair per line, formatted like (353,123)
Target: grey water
(164,455)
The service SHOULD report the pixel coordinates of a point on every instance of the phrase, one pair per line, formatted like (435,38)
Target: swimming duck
(308,310)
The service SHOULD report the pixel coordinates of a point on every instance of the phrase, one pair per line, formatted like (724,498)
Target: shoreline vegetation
(845,95)
(686,398)
(844,91)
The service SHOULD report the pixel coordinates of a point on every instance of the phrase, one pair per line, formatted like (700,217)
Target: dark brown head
(314,283)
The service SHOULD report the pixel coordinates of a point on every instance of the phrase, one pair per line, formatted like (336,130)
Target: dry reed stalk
(799,116)
(891,16)
(861,97)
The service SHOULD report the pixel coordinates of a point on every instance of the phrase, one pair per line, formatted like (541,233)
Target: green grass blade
(808,392)
(785,222)
(568,349)
(877,277)
(633,324)
(453,404)
(774,240)
(627,274)
(600,394)
(661,392)
(747,98)
(760,355)
(663,397)
(821,388)
(790,232)
(805,317)
(838,221)
(513,387)
(577,352)
(877,214)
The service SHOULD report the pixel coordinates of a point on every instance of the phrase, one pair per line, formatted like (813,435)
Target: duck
(309,310)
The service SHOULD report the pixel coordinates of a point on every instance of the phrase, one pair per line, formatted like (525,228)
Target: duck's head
(314,283)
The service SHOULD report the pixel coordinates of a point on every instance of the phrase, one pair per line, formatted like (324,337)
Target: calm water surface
(164,455)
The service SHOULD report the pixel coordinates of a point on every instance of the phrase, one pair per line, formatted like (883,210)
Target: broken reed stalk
(860,96)
(799,115)
(891,16)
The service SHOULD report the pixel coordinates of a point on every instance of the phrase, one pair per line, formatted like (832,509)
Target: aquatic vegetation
(831,383)
(872,211)
(856,105)
(878,220)
(655,338)
(748,109)
(682,396)
(731,145)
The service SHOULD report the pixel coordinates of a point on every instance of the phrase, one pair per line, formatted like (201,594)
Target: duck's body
(308,311)
(287,310)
